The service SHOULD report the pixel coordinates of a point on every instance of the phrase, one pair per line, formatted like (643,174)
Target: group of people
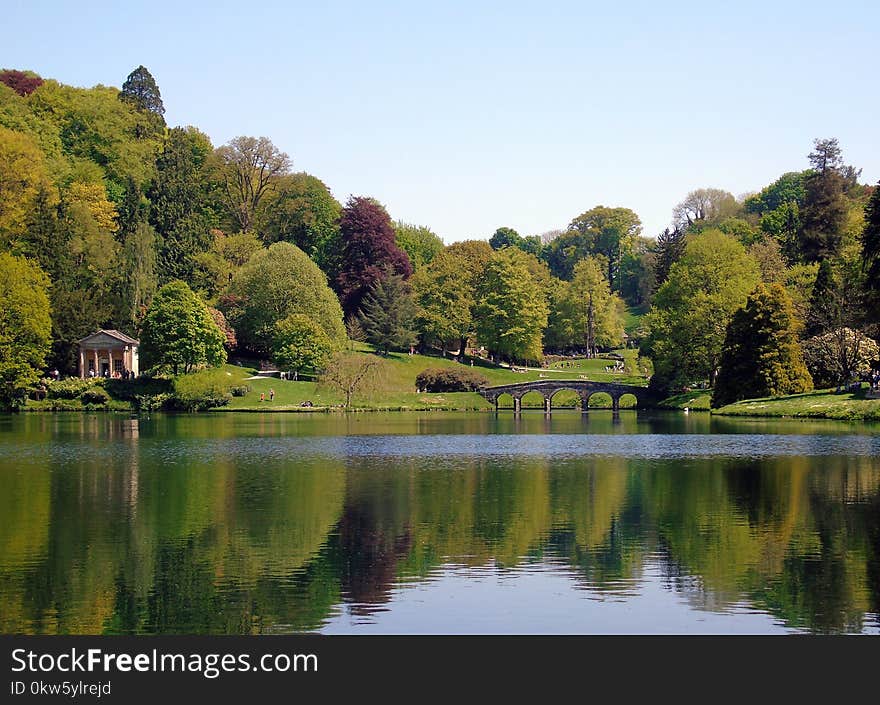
(271,395)
(118,374)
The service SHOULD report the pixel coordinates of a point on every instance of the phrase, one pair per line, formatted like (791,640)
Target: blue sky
(465,116)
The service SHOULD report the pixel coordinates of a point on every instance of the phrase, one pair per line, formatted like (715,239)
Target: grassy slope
(818,404)
(398,390)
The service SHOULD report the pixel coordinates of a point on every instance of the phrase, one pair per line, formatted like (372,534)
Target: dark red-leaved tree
(21,82)
(369,251)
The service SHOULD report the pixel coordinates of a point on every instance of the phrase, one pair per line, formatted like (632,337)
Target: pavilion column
(97,369)
(82,364)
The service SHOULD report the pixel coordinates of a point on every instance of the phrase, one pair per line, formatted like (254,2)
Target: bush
(202,390)
(437,379)
(72,388)
(151,402)
(94,395)
(130,389)
(240,390)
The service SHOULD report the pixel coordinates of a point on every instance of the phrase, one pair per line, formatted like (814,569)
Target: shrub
(202,390)
(129,389)
(437,379)
(95,395)
(72,388)
(239,390)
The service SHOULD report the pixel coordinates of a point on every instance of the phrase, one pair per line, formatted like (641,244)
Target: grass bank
(397,390)
(820,404)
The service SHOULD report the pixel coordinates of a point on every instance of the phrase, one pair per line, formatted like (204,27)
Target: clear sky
(465,116)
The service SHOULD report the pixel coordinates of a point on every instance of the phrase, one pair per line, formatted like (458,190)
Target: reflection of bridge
(548,388)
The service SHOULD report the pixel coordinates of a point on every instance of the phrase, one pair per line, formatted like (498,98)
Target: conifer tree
(762,356)
(140,90)
(388,314)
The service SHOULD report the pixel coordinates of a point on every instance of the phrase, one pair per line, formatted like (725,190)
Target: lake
(237,523)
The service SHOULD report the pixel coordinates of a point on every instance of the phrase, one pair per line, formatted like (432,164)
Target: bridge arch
(549,388)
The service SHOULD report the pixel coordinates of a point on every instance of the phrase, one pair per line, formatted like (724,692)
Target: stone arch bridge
(548,388)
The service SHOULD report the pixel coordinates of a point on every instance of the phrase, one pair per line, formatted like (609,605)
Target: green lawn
(818,404)
(398,388)
(695,401)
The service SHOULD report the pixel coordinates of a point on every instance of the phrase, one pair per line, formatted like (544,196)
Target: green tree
(138,281)
(585,312)
(140,90)
(300,344)
(183,202)
(179,333)
(762,356)
(248,170)
(25,327)
(508,237)
(301,210)
(871,251)
(274,284)
(688,321)
(703,208)
(23,177)
(825,210)
(419,242)
(511,310)
(445,292)
(388,314)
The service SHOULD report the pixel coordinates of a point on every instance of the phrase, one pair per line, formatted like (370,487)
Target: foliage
(25,326)
(23,83)
(584,313)
(837,357)
(201,390)
(445,292)
(669,249)
(353,374)
(231,341)
(823,216)
(446,379)
(22,176)
(511,311)
(369,251)
(508,237)
(388,315)
(300,343)
(693,307)
(704,207)
(274,284)
(179,333)
(141,91)
(72,387)
(95,395)
(762,356)
(301,210)
(247,169)
(871,251)
(419,242)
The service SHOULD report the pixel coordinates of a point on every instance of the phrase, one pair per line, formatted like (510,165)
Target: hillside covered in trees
(110,218)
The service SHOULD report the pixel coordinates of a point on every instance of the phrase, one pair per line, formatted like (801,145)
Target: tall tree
(183,204)
(586,314)
(704,207)
(825,207)
(762,356)
(419,242)
(871,251)
(609,232)
(369,251)
(249,167)
(25,327)
(445,291)
(691,310)
(138,281)
(301,210)
(140,90)
(388,314)
(669,249)
(179,332)
(511,310)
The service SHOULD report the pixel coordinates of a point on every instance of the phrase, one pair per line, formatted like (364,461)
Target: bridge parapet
(548,388)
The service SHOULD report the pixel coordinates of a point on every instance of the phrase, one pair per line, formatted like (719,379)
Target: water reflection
(439,522)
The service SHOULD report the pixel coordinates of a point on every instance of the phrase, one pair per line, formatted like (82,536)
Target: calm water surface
(437,523)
